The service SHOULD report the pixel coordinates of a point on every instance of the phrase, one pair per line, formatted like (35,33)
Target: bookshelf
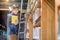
(22,28)
(23,23)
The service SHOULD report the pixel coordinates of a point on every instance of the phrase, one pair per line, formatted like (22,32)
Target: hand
(16,23)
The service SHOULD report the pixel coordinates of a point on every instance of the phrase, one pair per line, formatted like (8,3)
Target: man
(13,27)
(36,33)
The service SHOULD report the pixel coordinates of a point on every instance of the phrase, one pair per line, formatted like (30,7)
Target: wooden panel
(48,22)
(51,2)
(56,21)
(31,29)
(44,21)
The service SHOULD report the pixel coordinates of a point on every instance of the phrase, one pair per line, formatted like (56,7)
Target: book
(14,19)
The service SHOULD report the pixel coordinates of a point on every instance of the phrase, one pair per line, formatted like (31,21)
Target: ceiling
(6,3)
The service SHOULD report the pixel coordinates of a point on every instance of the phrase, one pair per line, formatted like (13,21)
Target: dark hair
(15,6)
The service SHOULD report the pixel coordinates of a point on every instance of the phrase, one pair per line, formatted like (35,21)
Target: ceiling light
(7,0)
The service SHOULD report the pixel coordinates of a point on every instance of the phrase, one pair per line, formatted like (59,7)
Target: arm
(9,24)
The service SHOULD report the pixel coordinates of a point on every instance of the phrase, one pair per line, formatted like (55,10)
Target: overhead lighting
(7,0)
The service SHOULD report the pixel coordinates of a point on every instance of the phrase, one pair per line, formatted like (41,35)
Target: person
(36,33)
(13,27)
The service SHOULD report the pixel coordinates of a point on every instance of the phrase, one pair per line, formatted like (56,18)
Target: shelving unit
(23,23)
(22,27)
(34,4)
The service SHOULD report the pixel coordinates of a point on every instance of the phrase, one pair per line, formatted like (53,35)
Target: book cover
(14,19)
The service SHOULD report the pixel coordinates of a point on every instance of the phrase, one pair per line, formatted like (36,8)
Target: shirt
(36,33)
(13,29)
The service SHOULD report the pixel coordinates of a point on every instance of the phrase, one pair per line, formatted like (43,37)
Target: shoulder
(9,15)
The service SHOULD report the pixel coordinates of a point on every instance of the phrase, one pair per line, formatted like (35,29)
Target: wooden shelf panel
(22,21)
(21,32)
